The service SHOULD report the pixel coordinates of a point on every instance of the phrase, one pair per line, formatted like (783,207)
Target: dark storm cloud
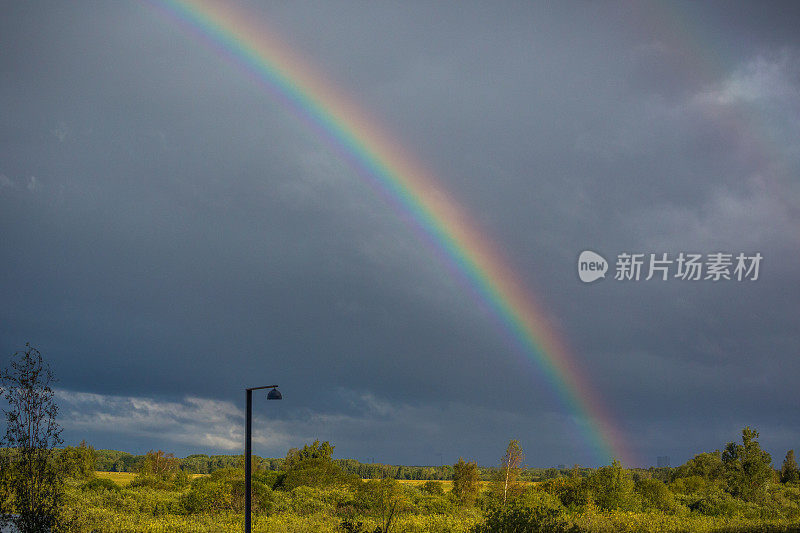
(170,232)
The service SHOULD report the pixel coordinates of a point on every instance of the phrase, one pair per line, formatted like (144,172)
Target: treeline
(119,461)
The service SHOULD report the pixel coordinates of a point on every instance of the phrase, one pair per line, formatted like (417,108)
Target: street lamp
(274,394)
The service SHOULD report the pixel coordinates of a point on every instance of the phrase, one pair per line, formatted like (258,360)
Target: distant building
(662,461)
(562,467)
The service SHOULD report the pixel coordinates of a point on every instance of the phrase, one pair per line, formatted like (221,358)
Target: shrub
(307,500)
(611,487)
(223,490)
(101,483)
(433,487)
(434,504)
(534,511)
(654,495)
(689,485)
(572,491)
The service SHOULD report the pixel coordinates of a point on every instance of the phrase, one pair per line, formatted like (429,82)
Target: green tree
(384,499)
(312,466)
(434,488)
(789,470)
(611,487)
(31,477)
(78,462)
(223,490)
(654,494)
(708,466)
(748,468)
(534,511)
(160,470)
(466,482)
(506,480)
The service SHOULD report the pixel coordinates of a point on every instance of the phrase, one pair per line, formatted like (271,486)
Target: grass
(120,478)
(124,478)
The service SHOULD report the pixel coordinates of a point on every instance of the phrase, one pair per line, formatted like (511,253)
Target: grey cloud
(189,236)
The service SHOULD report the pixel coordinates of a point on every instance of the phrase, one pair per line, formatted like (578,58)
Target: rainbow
(405,184)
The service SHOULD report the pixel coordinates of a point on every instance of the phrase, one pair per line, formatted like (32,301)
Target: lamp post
(274,394)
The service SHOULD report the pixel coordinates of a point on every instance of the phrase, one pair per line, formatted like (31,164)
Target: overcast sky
(170,232)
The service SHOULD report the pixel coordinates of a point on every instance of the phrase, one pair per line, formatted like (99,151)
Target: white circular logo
(591,266)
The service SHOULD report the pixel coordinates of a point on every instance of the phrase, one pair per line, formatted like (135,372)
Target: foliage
(433,488)
(609,499)
(116,461)
(465,482)
(654,494)
(689,485)
(312,466)
(789,470)
(707,466)
(159,470)
(748,468)
(297,458)
(532,512)
(224,490)
(384,500)
(572,491)
(611,487)
(99,484)
(78,462)
(31,483)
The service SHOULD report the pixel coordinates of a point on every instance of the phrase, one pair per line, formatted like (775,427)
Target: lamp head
(274,394)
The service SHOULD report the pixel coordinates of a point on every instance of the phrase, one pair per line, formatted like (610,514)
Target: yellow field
(120,478)
(446,485)
(123,478)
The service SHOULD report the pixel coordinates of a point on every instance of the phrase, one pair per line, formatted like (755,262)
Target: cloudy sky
(171,232)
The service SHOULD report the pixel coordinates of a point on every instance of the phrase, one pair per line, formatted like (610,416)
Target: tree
(507,478)
(160,470)
(535,511)
(789,470)
(78,462)
(312,466)
(748,468)
(654,494)
(611,487)
(434,488)
(385,499)
(708,466)
(31,477)
(466,482)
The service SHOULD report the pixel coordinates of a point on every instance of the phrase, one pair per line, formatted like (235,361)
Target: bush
(307,500)
(689,485)
(312,466)
(101,483)
(611,487)
(433,487)
(223,490)
(654,495)
(572,491)
(434,504)
(534,511)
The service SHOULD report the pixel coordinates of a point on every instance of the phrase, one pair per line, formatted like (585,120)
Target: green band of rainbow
(405,183)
